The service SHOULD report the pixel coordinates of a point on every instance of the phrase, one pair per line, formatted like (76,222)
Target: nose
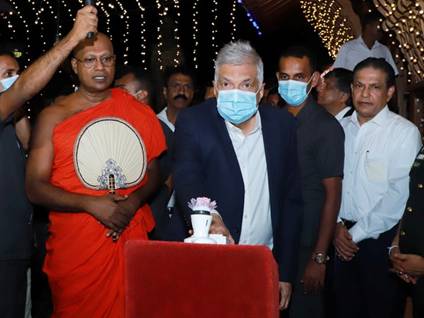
(365,92)
(99,65)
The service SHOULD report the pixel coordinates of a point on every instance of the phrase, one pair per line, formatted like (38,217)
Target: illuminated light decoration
(250,17)
(195,32)
(27,32)
(161,14)
(233,20)
(142,35)
(124,16)
(177,59)
(214,31)
(406,20)
(326,18)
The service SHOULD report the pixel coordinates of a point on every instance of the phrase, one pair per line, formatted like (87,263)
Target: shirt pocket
(376,169)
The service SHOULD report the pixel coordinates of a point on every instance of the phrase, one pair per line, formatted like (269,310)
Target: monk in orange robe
(89,226)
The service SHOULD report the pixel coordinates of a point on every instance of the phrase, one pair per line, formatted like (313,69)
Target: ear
(261,91)
(142,95)
(74,65)
(315,79)
(390,93)
(215,89)
(344,97)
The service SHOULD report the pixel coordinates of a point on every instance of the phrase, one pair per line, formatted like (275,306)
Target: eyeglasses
(90,62)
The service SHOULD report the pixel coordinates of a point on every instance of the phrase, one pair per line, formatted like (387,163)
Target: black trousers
(364,287)
(13,287)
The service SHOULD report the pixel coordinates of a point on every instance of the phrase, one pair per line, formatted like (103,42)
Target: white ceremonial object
(109,148)
(216,238)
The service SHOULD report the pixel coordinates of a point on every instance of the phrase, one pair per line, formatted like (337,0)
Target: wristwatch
(320,258)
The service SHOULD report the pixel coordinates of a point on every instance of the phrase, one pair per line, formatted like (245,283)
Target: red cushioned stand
(165,279)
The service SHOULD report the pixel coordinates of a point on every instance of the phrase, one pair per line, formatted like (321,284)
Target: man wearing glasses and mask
(245,158)
(321,156)
(93,165)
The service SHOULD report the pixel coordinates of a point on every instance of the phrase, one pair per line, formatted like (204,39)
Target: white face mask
(6,83)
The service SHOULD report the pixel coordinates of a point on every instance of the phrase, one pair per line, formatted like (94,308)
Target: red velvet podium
(180,280)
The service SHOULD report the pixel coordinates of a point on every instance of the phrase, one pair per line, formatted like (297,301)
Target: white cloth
(164,118)
(355,51)
(341,113)
(256,227)
(378,157)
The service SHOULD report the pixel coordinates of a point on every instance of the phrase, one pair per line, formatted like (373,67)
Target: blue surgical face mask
(293,92)
(236,106)
(6,83)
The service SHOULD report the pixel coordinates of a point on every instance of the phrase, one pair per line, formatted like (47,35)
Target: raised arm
(37,75)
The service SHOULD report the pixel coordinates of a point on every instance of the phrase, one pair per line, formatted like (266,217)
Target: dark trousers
(305,305)
(364,287)
(13,287)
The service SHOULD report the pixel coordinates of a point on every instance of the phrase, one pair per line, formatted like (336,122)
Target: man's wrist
(320,258)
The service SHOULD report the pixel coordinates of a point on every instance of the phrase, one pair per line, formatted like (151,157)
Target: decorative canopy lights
(405,19)
(326,18)
(250,17)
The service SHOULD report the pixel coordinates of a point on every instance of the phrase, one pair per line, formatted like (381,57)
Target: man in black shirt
(15,210)
(321,157)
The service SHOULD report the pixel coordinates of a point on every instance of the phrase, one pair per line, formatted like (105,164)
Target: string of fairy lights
(195,32)
(405,21)
(42,12)
(143,41)
(328,21)
(214,31)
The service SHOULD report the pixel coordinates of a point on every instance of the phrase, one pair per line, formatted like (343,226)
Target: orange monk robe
(84,267)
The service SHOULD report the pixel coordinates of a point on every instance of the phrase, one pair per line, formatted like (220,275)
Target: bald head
(90,43)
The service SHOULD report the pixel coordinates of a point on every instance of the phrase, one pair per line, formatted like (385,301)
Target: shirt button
(402,233)
(420,186)
(409,209)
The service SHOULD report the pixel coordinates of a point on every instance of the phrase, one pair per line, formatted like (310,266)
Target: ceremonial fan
(109,154)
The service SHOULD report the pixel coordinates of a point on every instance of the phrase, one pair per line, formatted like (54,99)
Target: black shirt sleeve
(330,150)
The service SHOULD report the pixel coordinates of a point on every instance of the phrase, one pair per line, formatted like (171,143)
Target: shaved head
(89,43)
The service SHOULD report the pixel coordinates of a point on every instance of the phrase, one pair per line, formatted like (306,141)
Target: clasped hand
(113,211)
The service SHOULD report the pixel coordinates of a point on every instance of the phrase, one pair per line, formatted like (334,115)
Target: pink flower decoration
(202,204)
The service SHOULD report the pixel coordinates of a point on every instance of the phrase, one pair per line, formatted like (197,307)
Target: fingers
(86,21)
(285,294)
(117,198)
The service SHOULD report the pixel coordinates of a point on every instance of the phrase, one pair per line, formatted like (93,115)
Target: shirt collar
(234,128)
(164,118)
(379,119)
(362,42)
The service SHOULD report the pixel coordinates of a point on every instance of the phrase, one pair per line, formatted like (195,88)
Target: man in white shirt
(178,92)
(380,148)
(366,45)
(334,93)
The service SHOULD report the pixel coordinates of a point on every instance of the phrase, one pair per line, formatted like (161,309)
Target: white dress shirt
(256,227)
(355,51)
(164,118)
(341,113)
(378,157)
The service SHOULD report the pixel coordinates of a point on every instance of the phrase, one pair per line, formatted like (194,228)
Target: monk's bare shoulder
(60,110)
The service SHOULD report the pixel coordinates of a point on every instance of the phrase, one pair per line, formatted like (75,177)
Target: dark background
(293,29)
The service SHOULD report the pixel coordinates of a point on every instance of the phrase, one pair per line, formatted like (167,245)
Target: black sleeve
(330,150)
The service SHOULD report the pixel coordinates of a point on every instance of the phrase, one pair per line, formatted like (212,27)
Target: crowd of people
(318,170)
